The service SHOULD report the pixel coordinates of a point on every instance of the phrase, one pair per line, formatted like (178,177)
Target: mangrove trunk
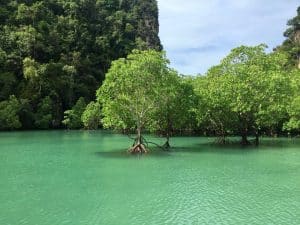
(138,146)
(244,140)
(167,145)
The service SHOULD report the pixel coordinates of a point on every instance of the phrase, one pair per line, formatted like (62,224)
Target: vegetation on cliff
(54,52)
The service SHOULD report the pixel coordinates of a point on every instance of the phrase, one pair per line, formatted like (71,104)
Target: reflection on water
(63,177)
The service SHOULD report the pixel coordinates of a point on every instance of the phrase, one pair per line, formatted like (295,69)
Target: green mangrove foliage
(91,117)
(293,125)
(246,94)
(175,105)
(213,110)
(249,93)
(139,93)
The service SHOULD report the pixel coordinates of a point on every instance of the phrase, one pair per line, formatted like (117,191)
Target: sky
(197,34)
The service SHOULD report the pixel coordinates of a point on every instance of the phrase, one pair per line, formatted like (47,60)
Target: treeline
(250,93)
(54,54)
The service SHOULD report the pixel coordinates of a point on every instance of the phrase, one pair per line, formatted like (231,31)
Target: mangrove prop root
(141,146)
(138,148)
(166,146)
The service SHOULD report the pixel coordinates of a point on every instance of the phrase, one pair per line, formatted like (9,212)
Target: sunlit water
(86,178)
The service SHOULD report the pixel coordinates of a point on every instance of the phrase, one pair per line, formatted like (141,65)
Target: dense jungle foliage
(55,53)
(292,43)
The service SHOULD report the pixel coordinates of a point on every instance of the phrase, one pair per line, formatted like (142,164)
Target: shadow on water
(232,147)
(214,148)
(280,142)
(197,149)
(172,152)
(123,154)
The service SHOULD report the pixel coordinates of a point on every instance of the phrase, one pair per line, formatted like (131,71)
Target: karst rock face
(148,26)
(297,43)
(56,51)
(292,43)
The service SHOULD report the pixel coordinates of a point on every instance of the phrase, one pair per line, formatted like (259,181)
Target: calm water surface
(85,178)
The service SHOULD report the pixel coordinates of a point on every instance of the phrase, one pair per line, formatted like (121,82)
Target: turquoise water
(86,178)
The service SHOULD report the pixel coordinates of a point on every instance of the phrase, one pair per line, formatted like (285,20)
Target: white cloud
(196,34)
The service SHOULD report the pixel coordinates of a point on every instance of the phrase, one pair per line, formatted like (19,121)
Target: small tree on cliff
(131,91)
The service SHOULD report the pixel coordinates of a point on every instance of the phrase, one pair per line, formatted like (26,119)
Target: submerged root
(141,146)
(166,146)
(245,143)
(221,141)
